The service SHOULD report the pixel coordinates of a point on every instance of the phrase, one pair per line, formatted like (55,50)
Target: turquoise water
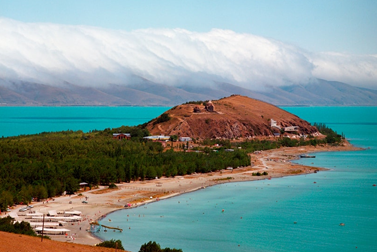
(195,222)
(31,120)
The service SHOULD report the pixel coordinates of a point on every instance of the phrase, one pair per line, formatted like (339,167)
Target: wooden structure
(96,227)
(121,136)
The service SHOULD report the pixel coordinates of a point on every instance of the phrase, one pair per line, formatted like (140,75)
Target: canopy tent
(73,212)
(32,215)
(46,224)
(13,215)
(48,218)
(52,230)
(52,213)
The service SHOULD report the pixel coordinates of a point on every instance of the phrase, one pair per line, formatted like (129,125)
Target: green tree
(173,138)
(111,244)
(71,185)
(6,199)
(155,247)
(40,192)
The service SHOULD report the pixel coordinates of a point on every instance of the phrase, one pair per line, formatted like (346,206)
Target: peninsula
(259,138)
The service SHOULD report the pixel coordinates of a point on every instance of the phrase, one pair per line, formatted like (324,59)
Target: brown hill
(23,243)
(234,116)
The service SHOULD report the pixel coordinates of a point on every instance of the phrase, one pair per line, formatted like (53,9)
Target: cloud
(54,54)
(359,70)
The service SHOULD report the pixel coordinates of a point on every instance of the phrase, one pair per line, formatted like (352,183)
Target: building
(121,136)
(157,138)
(274,124)
(291,129)
(209,106)
(185,139)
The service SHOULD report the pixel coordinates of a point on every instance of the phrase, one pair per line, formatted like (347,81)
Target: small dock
(103,226)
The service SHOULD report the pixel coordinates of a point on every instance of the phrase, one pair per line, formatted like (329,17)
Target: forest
(36,167)
(48,164)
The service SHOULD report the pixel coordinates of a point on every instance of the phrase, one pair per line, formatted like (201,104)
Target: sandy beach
(101,201)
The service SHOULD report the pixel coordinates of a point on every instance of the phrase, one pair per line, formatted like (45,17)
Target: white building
(274,124)
(291,128)
(185,139)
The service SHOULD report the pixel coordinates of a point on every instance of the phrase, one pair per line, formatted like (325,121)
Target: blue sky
(249,43)
(316,25)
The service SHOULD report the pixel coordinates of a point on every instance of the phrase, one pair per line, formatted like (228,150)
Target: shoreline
(102,201)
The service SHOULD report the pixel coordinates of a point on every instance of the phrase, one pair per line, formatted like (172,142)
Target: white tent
(13,215)
(73,212)
(70,218)
(46,224)
(52,213)
(52,230)
(32,215)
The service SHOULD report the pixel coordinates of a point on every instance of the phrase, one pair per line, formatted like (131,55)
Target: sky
(246,42)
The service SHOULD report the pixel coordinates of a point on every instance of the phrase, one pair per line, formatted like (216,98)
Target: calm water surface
(260,215)
(31,120)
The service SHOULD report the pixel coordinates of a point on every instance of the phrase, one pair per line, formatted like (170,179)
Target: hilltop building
(291,129)
(274,124)
(157,138)
(209,106)
(185,139)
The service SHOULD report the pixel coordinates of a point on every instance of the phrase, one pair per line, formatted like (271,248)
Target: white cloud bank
(53,54)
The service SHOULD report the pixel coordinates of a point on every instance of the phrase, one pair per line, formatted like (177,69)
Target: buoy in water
(374,184)
(222,210)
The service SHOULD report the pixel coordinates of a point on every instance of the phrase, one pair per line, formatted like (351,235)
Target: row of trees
(8,224)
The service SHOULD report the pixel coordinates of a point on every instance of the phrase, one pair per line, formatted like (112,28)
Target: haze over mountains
(146,93)
(52,64)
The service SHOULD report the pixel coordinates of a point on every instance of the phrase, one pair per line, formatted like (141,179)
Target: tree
(40,192)
(111,244)
(155,247)
(173,138)
(6,199)
(72,185)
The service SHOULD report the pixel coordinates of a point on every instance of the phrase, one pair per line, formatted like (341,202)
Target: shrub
(112,186)
(155,247)
(111,244)
(163,118)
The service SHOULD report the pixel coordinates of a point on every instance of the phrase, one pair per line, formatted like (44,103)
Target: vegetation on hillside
(7,224)
(162,118)
(331,135)
(117,244)
(155,247)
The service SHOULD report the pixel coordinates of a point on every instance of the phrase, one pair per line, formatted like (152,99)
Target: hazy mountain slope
(326,93)
(135,96)
(8,96)
(145,93)
(175,95)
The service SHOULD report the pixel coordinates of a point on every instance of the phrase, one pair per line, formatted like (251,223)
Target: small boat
(307,156)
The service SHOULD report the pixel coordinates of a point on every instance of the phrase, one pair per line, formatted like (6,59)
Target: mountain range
(146,93)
